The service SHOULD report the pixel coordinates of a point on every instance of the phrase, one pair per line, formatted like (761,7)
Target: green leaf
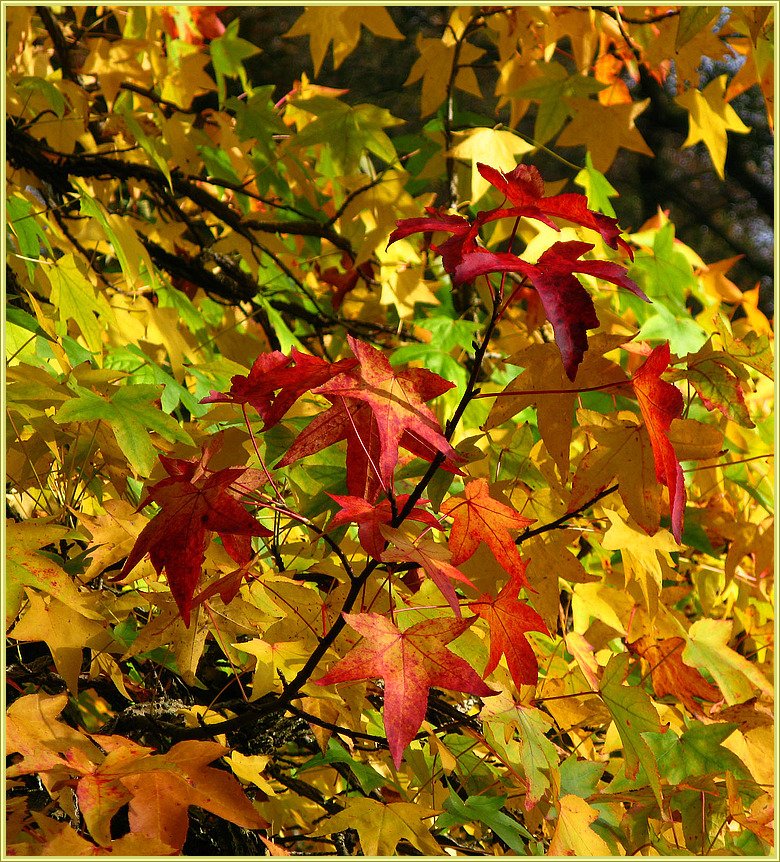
(487,810)
(54,96)
(346,131)
(634,714)
(75,298)
(597,187)
(131,414)
(29,233)
(228,53)
(368,777)
(682,332)
(697,752)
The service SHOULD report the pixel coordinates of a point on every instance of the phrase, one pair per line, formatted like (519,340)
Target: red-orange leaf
(509,619)
(410,662)
(480,518)
(431,557)
(192,502)
(660,403)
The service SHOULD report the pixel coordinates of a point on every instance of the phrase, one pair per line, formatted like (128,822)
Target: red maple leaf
(409,662)
(509,619)
(480,518)
(524,187)
(255,388)
(274,371)
(390,413)
(462,241)
(370,517)
(661,403)
(193,501)
(345,279)
(567,304)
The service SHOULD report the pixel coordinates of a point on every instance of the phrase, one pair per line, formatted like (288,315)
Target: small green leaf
(597,187)
(487,810)
(131,414)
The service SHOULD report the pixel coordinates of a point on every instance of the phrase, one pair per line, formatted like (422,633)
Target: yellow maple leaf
(341,25)
(381,827)
(434,66)
(603,129)
(711,117)
(64,630)
(493,147)
(573,835)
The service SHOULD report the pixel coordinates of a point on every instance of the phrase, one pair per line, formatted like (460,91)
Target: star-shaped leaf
(193,501)
(710,117)
(341,25)
(397,400)
(409,662)
(380,827)
(604,129)
(481,518)
(509,619)
(566,303)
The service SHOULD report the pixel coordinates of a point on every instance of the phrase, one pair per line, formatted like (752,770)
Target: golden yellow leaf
(493,147)
(710,117)
(341,25)
(573,835)
(604,129)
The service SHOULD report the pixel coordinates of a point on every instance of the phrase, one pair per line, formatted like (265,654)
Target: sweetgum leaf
(192,502)
(410,662)
(480,518)
(509,619)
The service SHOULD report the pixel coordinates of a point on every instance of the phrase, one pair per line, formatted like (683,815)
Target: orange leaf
(509,619)
(480,518)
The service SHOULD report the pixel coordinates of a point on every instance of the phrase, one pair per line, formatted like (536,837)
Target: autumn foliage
(368,492)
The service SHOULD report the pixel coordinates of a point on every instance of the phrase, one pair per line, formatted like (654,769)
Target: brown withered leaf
(670,675)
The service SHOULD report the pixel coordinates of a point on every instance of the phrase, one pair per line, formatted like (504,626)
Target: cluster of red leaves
(379,410)
(567,305)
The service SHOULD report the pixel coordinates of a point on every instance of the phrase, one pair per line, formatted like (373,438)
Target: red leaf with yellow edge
(369,517)
(193,501)
(661,403)
(480,518)
(410,663)
(509,619)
